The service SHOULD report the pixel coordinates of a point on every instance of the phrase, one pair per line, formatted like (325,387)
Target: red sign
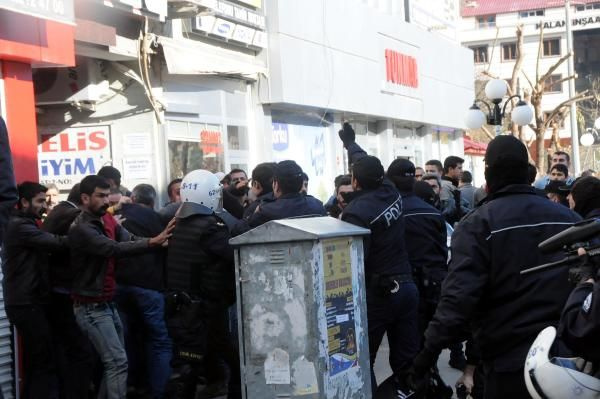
(211,142)
(401,69)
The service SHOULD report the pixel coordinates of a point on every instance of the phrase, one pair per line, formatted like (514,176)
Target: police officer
(201,280)
(490,247)
(580,321)
(392,296)
(425,238)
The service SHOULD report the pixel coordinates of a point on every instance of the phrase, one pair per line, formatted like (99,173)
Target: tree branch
(528,81)
(558,109)
(555,66)
(539,55)
(487,132)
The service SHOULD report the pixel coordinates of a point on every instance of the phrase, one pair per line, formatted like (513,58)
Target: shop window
(480,54)
(553,84)
(486,21)
(509,51)
(237,138)
(194,146)
(531,13)
(551,47)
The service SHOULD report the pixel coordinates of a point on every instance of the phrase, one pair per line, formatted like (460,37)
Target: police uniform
(201,280)
(392,296)
(484,287)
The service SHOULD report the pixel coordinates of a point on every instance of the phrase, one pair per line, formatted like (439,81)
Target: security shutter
(6,353)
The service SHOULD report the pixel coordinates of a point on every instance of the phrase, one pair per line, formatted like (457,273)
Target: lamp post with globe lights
(495,90)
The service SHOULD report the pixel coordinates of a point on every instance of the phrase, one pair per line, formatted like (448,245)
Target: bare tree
(534,95)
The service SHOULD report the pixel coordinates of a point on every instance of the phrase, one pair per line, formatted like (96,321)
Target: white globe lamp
(597,124)
(475,118)
(586,139)
(496,89)
(522,114)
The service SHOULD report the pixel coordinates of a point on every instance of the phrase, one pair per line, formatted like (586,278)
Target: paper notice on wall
(277,367)
(304,377)
(137,144)
(137,168)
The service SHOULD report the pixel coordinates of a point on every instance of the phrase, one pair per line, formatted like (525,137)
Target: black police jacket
(380,210)
(91,248)
(580,321)
(490,246)
(25,261)
(293,205)
(58,222)
(146,270)
(8,188)
(200,259)
(425,238)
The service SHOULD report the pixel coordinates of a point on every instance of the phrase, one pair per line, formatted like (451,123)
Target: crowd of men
(116,296)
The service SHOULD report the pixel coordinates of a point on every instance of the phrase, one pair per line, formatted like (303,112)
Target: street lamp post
(495,90)
(573,110)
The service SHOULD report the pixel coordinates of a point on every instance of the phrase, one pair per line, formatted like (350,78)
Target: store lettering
(64,142)
(67,166)
(575,22)
(401,69)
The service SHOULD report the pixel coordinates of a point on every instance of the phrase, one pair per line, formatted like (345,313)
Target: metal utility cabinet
(302,314)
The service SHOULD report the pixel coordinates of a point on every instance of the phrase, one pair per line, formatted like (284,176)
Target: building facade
(159,88)
(488,28)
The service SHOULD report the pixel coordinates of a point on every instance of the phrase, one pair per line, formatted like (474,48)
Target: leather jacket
(25,261)
(91,248)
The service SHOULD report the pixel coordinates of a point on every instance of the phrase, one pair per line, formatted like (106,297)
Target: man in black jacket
(8,188)
(261,186)
(201,283)
(26,288)
(96,241)
(484,287)
(140,282)
(392,296)
(73,349)
(289,202)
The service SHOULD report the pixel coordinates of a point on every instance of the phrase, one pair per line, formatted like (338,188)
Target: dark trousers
(504,384)
(214,323)
(74,352)
(38,354)
(396,315)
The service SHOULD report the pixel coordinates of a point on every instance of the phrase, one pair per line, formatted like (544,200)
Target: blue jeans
(101,323)
(148,306)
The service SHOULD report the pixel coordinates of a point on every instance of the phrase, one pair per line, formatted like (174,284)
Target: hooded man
(484,287)
(584,197)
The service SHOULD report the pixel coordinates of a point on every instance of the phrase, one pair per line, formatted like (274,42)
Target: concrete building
(488,28)
(220,84)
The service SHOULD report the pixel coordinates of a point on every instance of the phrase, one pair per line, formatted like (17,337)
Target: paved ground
(383,371)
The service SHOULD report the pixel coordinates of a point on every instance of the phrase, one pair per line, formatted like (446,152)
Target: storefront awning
(473,147)
(194,58)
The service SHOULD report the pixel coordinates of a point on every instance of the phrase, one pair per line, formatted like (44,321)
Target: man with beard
(96,239)
(27,288)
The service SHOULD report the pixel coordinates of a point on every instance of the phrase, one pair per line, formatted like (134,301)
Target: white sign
(277,368)
(65,156)
(53,10)
(223,28)
(137,168)
(136,144)
(260,39)
(243,34)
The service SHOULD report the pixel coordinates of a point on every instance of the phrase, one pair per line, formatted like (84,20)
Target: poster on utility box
(339,303)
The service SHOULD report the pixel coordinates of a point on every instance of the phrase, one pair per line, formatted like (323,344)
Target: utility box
(302,315)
